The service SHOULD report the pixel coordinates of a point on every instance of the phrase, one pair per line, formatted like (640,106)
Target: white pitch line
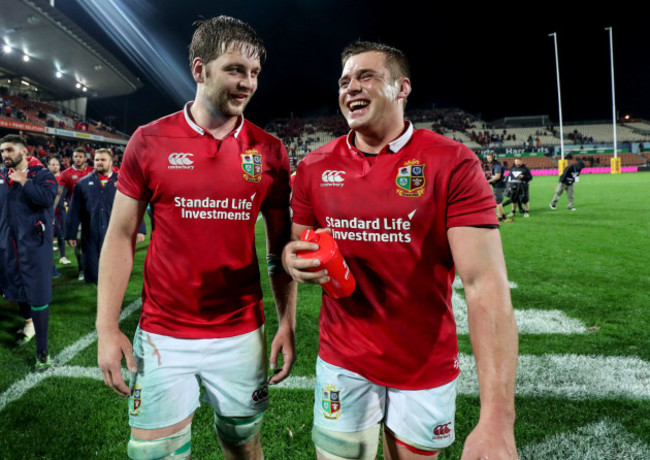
(528,321)
(574,377)
(606,438)
(19,388)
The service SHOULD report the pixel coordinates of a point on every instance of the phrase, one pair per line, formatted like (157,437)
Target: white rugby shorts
(166,388)
(347,402)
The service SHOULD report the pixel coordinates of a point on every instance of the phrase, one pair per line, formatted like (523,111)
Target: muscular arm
(284,289)
(479,261)
(115,264)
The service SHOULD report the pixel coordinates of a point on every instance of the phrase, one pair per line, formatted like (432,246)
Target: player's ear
(197,70)
(404,88)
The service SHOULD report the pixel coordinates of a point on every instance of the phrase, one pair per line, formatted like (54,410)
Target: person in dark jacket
(567,179)
(27,213)
(519,178)
(91,205)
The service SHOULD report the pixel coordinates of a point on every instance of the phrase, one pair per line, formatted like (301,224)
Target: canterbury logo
(180,159)
(261,394)
(332,177)
(442,430)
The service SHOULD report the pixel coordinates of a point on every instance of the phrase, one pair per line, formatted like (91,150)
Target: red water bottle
(342,282)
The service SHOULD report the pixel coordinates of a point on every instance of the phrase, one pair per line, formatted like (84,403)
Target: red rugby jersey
(70,176)
(201,278)
(390,220)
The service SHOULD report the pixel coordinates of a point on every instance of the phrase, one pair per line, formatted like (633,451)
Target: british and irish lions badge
(251,164)
(331,402)
(410,179)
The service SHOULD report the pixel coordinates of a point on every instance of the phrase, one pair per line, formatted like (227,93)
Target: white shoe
(64,261)
(526,214)
(81,277)
(54,248)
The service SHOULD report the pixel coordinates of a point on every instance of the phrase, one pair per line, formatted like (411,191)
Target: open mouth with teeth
(359,104)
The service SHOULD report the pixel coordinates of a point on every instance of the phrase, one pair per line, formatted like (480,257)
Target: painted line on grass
(575,377)
(531,321)
(590,442)
(19,388)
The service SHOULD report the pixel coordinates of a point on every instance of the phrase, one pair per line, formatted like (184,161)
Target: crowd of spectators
(20,107)
(579,138)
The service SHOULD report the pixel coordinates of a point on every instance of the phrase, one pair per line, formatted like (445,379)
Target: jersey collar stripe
(395,145)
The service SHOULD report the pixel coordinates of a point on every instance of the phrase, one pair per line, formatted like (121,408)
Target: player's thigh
(348,410)
(165,390)
(423,419)
(346,401)
(233,371)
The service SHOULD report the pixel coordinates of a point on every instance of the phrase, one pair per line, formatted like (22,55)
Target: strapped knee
(237,430)
(336,445)
(176,447)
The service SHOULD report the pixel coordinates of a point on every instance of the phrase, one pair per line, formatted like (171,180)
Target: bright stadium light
(25,58)
(84,89)
(59,75)
(6,49)
(78,85)
(132,29)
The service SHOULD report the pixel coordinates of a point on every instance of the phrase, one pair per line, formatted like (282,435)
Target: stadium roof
(54,43)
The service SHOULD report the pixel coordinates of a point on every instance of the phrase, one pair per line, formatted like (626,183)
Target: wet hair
(217,35)
(14,139)
(394,59)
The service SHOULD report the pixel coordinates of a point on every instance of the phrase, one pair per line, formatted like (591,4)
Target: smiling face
(226,84)
(369,97)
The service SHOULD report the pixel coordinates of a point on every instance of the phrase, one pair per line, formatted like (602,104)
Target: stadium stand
(304,135)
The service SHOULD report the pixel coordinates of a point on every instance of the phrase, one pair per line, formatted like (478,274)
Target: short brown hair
(14,139)
(104,152)
(395,60)
(215,36)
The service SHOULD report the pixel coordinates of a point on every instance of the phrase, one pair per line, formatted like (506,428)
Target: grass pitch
(588,266)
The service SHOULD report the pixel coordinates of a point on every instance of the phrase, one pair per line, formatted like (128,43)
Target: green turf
(590,264)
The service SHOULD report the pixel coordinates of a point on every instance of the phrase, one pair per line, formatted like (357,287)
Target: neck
(211,119)
(22,165)
(79,168)
(370,141)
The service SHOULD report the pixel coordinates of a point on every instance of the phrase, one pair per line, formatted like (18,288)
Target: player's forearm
(115,264)
(494,337)
(285,293)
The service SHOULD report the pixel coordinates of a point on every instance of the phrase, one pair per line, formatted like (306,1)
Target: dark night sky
(490,61)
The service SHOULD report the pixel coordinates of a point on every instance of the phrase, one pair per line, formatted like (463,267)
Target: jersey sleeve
(279,193)
(470,201)
(301,204)
(132,181)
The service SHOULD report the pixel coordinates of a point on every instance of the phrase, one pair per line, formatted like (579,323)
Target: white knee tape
(336,445)
(235,430)
(176,447)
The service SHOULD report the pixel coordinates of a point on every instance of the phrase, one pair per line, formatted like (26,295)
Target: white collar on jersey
(201,131)
(395,145)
